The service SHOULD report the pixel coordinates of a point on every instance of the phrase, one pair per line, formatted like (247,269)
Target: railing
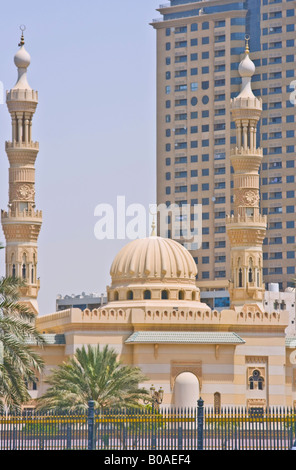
(21,145)
(254,219)
(30,213)
(26,95)
(253,429)
(197,428)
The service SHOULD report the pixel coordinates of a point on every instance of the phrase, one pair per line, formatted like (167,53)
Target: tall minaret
(246,228)
(21,223)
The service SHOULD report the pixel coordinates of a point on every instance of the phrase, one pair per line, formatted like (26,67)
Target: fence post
(68,436)
(180,438)
(200,421)
(91,425)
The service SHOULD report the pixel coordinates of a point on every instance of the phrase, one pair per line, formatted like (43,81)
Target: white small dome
(22,58)
(246,67)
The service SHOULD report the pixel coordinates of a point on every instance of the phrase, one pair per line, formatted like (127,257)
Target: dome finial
(247,38)
(153,233)
(22,28)
(22,61)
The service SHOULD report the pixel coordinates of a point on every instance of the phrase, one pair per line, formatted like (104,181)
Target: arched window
(164,294)
(130,295)
(181,295)
(115,295)
(32,275)
(240,278)
(13,271)
(256,381)
(250,275)
(24,271)
(147,294)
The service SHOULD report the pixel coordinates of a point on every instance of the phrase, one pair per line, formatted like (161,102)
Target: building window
(240,278)
(256,381)
(130,295)
(147,294)
(164,295)
(181,295)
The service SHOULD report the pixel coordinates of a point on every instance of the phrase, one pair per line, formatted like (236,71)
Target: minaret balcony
(21,145)
(246,104)
(256,219)
(13,216)
(21,153)
(244,152)
(30,291)
(22,95)
(247,159)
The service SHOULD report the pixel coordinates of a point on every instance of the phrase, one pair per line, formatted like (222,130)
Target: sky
(93,63)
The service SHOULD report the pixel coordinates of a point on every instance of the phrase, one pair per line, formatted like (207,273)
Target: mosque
(154,318)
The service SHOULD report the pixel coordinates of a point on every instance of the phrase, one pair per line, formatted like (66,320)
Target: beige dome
(153,258)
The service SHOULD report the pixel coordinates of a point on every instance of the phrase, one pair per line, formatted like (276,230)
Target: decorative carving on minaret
(22,223)
(246,228)
(246,197)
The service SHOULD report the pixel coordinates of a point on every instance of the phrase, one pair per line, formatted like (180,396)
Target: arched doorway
(186,390)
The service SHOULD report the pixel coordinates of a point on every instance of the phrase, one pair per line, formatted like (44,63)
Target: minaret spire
(22,223)
(22,42)
(246,228)
(247,38)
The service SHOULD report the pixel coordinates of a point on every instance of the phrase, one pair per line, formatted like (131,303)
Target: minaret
(246,228)
(22,223)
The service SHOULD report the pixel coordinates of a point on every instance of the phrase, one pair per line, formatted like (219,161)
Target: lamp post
(156,396)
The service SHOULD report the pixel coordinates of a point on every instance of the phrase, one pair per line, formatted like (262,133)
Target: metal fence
(198,428)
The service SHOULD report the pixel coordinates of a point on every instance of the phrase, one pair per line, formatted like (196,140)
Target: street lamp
(157,397)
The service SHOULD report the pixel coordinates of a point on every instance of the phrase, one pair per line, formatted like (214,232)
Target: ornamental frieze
(246,198)
(22,192)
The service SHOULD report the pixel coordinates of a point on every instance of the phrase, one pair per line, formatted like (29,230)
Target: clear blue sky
(94,66)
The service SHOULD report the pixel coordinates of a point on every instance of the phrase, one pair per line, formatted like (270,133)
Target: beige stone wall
(223,369)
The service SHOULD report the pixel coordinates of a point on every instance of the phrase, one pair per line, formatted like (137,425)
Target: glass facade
(199,49)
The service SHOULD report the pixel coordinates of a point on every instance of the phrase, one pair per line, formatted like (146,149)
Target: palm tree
(19,364)
(93,374)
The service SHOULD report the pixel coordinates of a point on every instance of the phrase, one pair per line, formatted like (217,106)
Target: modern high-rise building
(199,48)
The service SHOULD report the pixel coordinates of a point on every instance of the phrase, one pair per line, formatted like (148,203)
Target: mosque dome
(153,258)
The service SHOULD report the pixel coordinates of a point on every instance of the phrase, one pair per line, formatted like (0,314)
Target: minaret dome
(22,60)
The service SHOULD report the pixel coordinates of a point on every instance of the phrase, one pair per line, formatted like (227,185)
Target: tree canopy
(94,374)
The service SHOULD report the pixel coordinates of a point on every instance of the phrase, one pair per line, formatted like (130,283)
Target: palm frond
(94,374)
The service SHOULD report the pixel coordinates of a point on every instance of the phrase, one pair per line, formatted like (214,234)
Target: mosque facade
(154,317)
